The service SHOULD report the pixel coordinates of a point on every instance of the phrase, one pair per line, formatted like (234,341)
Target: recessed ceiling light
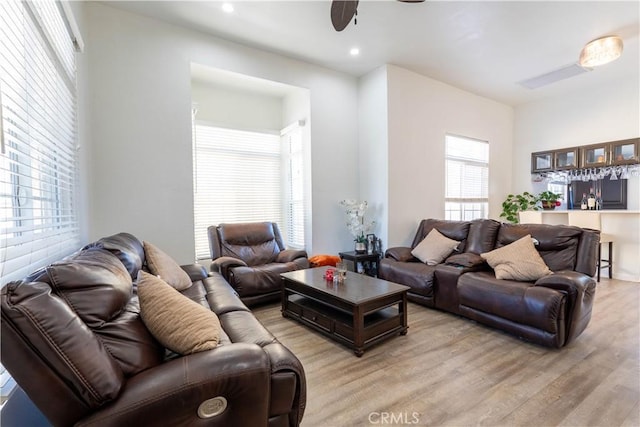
(227,7)
(354,51)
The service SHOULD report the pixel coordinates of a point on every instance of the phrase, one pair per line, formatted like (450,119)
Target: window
(246,176)
(467,178)
(294,183)
(38,163)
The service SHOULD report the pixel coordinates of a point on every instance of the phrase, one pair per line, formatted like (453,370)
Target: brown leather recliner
(251,257)
(73,339)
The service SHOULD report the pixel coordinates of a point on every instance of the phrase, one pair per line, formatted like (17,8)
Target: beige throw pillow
(434,248)
(163,265)
(178,323)
(517,261)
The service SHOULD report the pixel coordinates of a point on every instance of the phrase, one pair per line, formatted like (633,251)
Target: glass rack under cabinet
(615,153)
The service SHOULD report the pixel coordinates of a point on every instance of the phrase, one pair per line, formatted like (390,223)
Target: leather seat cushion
(222,298)
(260,279)
(242,326)
(418,276)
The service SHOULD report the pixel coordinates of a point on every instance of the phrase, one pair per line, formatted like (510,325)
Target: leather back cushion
(254,243)
(98,288)
(129,341)
(482,235)
(455,230)
(57,335)
(126,247)
(557,244)
(94,283)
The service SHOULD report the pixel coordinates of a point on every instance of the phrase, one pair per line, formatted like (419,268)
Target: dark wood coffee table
(358,313)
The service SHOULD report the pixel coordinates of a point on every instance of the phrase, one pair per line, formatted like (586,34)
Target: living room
(415,125)
(377,137)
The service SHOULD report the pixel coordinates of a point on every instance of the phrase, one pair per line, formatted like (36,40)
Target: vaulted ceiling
(480,46)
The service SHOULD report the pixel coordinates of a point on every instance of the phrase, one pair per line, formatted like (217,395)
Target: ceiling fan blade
(342,11)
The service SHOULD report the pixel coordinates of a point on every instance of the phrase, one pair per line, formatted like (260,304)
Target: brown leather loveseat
(251,257)
(74,340)
(550,311)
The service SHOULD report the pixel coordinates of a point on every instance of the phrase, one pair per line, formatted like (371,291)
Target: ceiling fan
(342,11)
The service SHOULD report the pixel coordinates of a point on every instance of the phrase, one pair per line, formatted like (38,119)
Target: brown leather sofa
(251,257)
(551,311)
(83,355)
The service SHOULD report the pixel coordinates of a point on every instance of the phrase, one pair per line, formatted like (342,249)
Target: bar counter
(624,225)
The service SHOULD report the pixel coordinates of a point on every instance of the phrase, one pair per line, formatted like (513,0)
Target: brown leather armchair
(251,257)
(73,340)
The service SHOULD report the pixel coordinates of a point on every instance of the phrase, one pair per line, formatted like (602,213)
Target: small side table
(369,261)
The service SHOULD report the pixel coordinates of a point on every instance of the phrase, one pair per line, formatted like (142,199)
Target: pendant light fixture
(601,51)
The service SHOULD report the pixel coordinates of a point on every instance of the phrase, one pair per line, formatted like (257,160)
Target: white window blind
(38,169)
(294,201)
(467,178)
(237,178)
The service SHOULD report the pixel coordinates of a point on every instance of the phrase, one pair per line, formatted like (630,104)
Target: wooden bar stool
(591,219)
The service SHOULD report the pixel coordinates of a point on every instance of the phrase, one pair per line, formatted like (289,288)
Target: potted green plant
(549,200)
(515,203)
(361,244)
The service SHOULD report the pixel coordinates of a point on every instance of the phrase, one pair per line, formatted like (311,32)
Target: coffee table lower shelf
(380,323)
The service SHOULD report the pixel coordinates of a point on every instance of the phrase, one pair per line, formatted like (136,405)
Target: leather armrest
(195,271)
(466,260)
(284,362)
(222,264)
(580,290)
(400,253)
(170,394)
(288,255)
(567,281)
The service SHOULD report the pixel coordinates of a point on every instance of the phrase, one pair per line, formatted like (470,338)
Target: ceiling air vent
(553,76)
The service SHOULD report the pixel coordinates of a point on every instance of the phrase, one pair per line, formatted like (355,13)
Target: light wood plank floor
(451,371)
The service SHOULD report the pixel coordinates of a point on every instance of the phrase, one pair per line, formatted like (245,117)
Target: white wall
(602,114)
(140,114)
(421,112)
(374,149)
(237,109)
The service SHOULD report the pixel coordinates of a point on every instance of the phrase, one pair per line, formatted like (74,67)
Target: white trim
(294,125)
(235,127)
(2,149)
(72,25)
